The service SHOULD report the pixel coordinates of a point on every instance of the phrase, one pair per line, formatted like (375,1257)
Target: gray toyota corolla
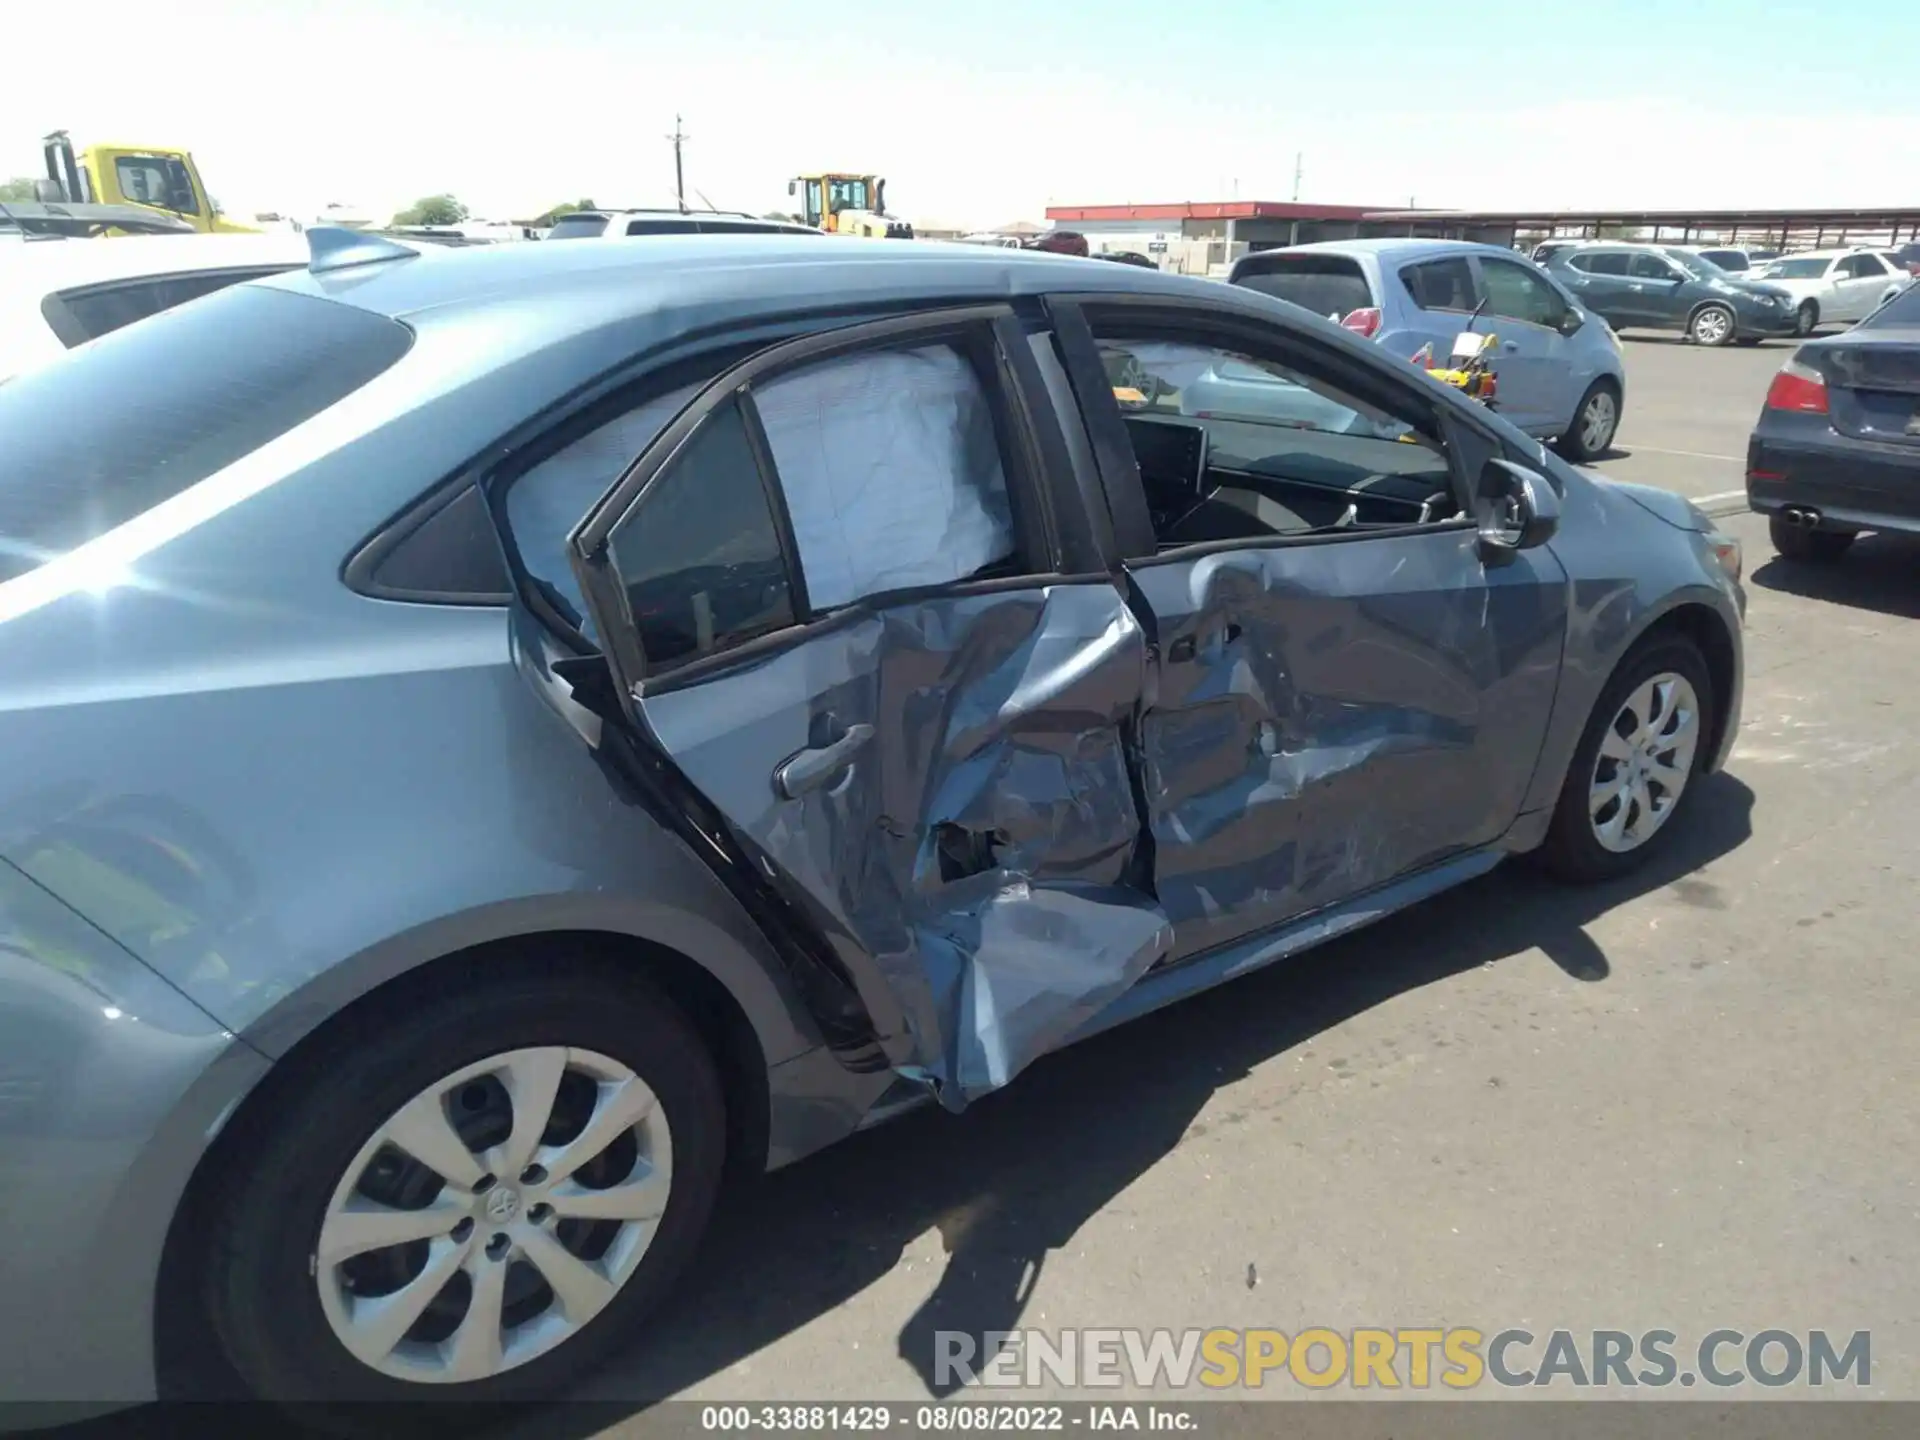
(496,740)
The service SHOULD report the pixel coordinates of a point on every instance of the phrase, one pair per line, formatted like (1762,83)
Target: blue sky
(988,110)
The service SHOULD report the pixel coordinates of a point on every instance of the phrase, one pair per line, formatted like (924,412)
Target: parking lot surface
(1688,413)
(1688,1100)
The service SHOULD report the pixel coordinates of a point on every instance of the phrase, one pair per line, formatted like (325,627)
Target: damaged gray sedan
(496,739)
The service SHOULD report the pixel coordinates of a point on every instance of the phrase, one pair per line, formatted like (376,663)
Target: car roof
(44,266)
(553,289)
(1395,247)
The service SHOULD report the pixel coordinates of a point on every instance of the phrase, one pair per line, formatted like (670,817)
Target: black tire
(1573,443)
(1819,547)
(260,1296)
(1698,322)
(1571,852)
(1806,317)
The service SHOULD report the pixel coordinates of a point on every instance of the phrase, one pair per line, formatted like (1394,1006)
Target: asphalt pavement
(1688,413)
(1684,1101)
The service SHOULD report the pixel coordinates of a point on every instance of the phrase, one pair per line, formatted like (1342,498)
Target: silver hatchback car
(1559,365)
(498,739)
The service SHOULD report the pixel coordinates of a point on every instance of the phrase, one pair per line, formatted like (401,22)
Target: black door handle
(812,768)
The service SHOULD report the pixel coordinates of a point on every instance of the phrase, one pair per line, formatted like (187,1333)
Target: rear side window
(1903,309)
(77,316)
(700,553)
(1603,262)
(105,434)
(1440,284)
(1325,284)
(661,227)
(578,227)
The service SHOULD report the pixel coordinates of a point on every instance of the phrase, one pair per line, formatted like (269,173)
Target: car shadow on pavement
(1877,573)
(1016,1177)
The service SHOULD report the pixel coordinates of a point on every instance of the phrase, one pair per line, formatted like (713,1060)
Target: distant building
(1202,237)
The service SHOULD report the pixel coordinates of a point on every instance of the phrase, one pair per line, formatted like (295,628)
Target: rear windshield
(1903,309)
(107,432)
(578,227)
(1325,284)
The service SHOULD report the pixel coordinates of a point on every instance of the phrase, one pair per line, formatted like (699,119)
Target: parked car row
(485,758)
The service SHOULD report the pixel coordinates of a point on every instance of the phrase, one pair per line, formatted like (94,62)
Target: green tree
(18,188)
(432,210)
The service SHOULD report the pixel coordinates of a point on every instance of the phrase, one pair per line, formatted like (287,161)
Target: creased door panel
(1330,716)
(977,857)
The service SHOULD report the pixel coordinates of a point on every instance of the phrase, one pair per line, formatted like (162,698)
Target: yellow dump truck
(129,180)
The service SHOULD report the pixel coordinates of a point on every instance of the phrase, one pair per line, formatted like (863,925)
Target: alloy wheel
(1644,763)
(494,1215)
(1712,326)
(1597,422)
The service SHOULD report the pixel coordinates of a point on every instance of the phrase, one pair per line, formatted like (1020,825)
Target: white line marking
(1690,454)
(1723,495)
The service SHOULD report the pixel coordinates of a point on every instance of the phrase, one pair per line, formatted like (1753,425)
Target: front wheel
(1595,421)
(1805,318)
(1711,325)
(468,1197)
(1635,764)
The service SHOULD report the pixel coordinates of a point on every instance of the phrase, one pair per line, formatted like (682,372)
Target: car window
(156,180)
(84,313)
(544,503)
(1725,259)
(1903,309)
(1863,267)
(661,227)
(1650,267)
(1235,445)
(1325,284)
(105,433)
(699,554)
(1516,293)
(1601,262)
(891,469)
(1440,284)
(1801,269)
(578,227)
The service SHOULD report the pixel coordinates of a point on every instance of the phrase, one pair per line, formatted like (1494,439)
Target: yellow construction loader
(843,204)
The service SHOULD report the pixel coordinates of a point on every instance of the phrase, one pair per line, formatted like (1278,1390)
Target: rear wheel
(471,1197)
(1634,766)
(1795,542)
(1711,325)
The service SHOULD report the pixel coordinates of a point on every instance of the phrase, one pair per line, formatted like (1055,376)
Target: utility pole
(1298,156)
(679,175)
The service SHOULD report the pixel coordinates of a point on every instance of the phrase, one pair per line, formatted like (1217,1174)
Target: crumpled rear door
(975,863)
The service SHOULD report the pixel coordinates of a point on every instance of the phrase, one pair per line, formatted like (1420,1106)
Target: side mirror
(792,187)
(1516,510)
(1570,322)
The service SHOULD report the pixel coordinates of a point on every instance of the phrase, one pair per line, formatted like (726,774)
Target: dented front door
(934,776)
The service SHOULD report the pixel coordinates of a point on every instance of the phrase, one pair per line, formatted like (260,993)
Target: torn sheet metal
(977,861)
(1329,717)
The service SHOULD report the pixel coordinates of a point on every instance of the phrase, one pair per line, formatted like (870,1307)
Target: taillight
(1799,388)
(1364,323)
